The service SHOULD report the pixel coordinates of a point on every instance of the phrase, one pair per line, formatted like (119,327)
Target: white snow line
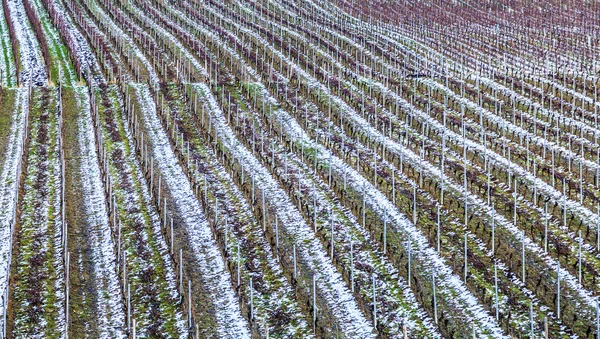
(575,207)
(120,34)
(9,185)
(7,67)
(329,282)
(230,320)
(111,319)
(32,63)
(464,300)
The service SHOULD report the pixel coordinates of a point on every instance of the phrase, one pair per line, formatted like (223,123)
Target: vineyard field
(299,169)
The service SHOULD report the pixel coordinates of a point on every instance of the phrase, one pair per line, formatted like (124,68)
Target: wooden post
(531,318)
(438,229)
(252,179)
(579,258)
(345,175)
(597,317)
(546,227)
(128,307)
(415,205)
(4,316)
(409,247)
(181,271)
(314,303)
(496,289)
(374,303)
(276,236)
(466,262)
(67,295)
(393,186)
(314,208)
(251,302)
(332,237)
(363,208)
(385,232)
(226,237)
(351,265)
(598,229)
(493,230)
(523,255)
(435,315)
(189,301)
(165,215)
(172,249)
(564,204)
(558,290)
(264,213)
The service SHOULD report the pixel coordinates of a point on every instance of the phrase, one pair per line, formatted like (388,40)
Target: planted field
(299,169)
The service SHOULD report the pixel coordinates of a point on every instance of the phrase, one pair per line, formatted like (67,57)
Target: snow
(118,33)
(9,185)
(393,146)
(111,319)
(550,115)
(543,188)
(173,40)
(468,301)
(33,70)
(230,321)
(81,49)
(428,258)
(7,67)
(311,252)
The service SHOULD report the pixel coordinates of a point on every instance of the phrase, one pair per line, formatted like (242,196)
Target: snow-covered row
(144,252)
(540,141)
(433,171)
(570,91)
(174,42)
(81,49)
(110,316)
(575,206)
(311,252)
(464,301)
(32,62)
(215,275)
(393,146)
(481,247)
(7,65)
(477,311)
(399,306)
(119,34)
(407,291)
(39,248)
(549,191)
(235,224)
(210,34)
(9,185)
(313,82)
(472,104)
(550,115)
(58,53)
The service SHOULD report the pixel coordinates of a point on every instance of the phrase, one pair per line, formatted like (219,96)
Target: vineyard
(299,169)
